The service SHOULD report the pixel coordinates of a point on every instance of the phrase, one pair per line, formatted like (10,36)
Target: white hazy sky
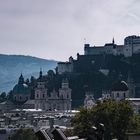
(55,29)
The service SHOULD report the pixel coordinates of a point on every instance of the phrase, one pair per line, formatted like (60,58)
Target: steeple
(21,79)
(40,73)
(113,41)
(40,78)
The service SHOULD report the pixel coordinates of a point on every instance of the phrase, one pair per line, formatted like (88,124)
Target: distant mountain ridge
(11,66)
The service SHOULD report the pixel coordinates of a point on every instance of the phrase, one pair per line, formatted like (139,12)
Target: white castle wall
(64,67)
(131,46)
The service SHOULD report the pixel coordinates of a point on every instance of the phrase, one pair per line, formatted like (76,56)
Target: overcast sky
(55,29)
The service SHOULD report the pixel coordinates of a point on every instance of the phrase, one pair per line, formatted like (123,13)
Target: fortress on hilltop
(131,46)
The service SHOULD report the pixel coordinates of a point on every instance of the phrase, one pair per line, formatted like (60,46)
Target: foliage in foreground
(117,117)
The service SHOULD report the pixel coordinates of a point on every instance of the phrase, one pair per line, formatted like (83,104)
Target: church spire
(113,41)
(40,79)
(40,73)
(21,79)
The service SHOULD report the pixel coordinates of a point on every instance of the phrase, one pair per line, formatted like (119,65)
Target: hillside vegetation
(11,66)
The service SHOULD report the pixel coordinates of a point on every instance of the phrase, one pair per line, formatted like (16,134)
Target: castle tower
(128,46)
(40,93)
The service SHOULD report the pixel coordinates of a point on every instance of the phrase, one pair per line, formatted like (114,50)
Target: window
(37,96)
(20,97)
(124,95)
(43,95)
(67,95)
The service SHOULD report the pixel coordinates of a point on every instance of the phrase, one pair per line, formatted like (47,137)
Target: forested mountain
(11,66)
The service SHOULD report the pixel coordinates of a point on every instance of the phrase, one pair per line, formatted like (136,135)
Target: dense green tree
(50,74)
(24,134)
(134,126)
(117,117)
(82,122)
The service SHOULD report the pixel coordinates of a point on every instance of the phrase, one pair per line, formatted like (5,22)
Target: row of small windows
(132,42)
(37,96)
(62,96)
(118,95)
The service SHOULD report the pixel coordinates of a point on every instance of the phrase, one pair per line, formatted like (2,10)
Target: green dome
(21,89)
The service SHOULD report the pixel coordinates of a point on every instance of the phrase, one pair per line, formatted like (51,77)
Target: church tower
(40,93)
(65,95)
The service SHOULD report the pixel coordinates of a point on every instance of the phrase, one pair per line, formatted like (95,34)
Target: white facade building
(64,67)
(120,90)
(60,100)
(89,100)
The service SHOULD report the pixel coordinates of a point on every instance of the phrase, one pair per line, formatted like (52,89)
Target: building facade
(21,97)
(89,100)
(40,94)
(60,100)
(120,90)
